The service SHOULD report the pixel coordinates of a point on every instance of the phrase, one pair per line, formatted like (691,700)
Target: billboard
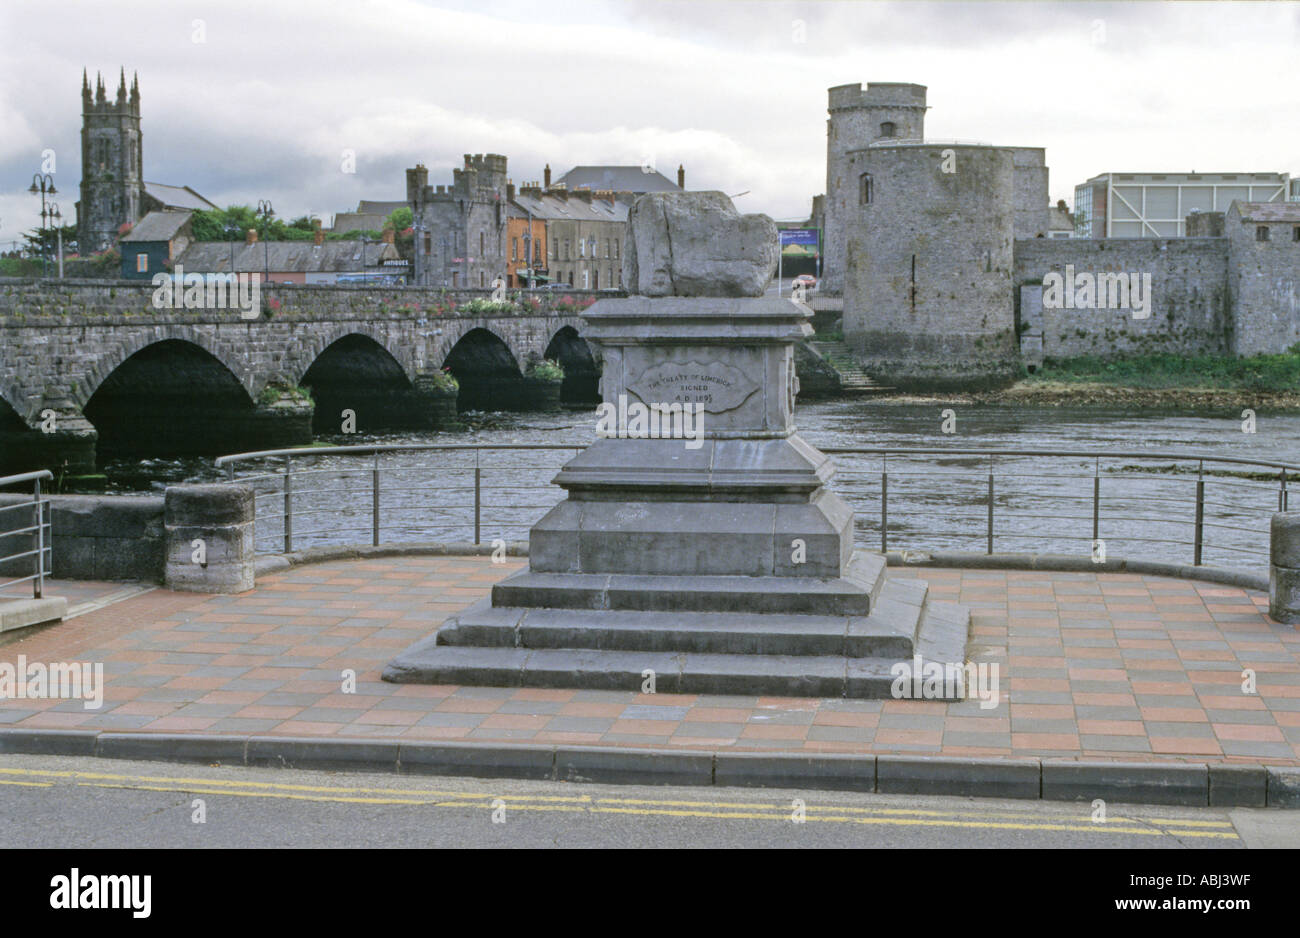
(800,242)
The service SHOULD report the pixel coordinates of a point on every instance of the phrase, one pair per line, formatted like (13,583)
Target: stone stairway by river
(853,379)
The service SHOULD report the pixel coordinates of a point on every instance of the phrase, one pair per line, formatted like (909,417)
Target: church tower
(112,188)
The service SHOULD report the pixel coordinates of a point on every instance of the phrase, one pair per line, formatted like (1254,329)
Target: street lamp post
(267,212)
(57,217)
(43,184)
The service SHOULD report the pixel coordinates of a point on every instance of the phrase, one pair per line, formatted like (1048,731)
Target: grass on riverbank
(1260,373)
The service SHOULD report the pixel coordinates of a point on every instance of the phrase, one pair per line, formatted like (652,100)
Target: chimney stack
(510,191)
(546,176)
(317,233)
(387,236)
(251,236)
(681,176)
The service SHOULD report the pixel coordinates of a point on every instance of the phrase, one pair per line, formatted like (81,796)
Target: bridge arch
(132,342)
(322,336)
(581,369)
(487,370)
(357,373)
(171,397)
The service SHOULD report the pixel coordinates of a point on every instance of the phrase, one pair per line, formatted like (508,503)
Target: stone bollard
(209,538)
(1284,568)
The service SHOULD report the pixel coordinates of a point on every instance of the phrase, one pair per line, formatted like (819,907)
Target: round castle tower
(927,289)
(858,116)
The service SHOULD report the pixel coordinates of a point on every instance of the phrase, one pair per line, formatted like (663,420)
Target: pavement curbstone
(833,772)
(172,747)
(633,766)
(475,760)
(1135,782)
(1238,786)
(291,752)
(48,742)
(937,775)
(1283,787)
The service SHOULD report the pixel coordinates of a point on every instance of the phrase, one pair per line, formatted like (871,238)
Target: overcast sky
(259,99)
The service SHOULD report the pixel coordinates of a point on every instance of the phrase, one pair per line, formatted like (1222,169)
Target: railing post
(374,488)
(990,544)
(1096,504)
(1200,514)
(884,506)
(478,482)
(38,584)
(288,504)
(1281,493)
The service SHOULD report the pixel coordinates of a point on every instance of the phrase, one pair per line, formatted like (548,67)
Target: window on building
(607,247)
(1261,232)
(142,263)
(514,249)
(582,248)
(620,278)
(428,244)
(555,250)
(482,279)
(568,249)
(864,189)
(1295,233)
(586,280)
(482,243)
(616,247)
(570,278)
(595,285)
(887,129)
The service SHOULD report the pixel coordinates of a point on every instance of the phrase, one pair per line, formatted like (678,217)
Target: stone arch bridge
(93,368)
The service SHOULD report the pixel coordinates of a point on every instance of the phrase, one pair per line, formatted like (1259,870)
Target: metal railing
(1171,507)
(1187,500)
(37,532)
(388,501)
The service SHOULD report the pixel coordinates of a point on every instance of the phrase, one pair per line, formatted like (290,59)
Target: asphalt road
(58,801)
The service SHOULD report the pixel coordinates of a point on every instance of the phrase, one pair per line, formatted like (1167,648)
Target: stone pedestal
(1284,568)
(209,538)
(715,563)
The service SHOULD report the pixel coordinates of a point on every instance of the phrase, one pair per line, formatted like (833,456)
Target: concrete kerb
(1186,784)
(1067,563)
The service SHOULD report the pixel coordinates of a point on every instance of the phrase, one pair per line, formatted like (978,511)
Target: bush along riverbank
(1202,383)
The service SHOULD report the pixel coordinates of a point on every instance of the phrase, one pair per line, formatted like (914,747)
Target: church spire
(121,88)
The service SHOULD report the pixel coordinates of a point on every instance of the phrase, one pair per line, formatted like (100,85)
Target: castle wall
(1031,192)
(1264,286)
(856,116)
(1190,308)
(928,287)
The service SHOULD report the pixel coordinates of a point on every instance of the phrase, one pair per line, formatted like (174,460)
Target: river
(1147,508)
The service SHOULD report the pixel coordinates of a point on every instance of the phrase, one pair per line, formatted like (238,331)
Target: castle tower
(112,186)
(928,284)
(860,116)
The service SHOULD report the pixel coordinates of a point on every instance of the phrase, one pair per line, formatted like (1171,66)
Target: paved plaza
(1105,666)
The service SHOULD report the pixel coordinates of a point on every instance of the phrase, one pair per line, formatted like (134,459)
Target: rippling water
(1147,508)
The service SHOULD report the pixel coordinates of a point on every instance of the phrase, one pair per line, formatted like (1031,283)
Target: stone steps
(849,595)
(840,357)
(889,631)
(941,637)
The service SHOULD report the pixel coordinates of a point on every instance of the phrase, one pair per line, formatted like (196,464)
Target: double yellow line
(974,818)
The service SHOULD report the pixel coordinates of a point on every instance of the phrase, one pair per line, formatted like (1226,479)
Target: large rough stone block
(697,244)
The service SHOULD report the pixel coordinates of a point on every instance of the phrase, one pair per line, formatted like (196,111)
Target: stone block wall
(1190,304)
(95,537)
(1265,286)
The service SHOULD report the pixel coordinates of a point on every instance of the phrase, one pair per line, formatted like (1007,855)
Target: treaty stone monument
(724,568)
